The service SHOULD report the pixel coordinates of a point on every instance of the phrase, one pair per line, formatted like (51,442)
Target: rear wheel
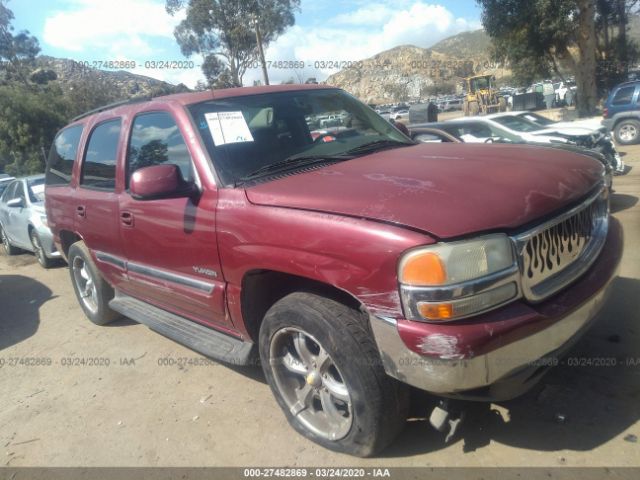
(92,291)
(39,252)
(627,132)
(324,369)
(8,248)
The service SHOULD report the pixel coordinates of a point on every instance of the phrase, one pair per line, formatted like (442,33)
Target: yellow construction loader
(482,96)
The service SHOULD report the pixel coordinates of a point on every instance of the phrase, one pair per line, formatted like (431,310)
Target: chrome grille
(557,252)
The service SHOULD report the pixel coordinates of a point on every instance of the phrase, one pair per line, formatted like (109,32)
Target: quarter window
(99,166)
(623,96)
(62,155)
(156,140)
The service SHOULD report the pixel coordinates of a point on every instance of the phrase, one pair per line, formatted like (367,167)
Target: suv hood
(446,190)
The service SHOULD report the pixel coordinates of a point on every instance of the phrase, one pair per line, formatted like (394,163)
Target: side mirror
(15,203)
(160,181)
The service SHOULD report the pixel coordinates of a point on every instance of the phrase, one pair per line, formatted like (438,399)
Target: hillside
(121,83)
(409,72)
(465,45)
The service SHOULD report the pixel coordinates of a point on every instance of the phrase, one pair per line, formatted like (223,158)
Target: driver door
(170,243)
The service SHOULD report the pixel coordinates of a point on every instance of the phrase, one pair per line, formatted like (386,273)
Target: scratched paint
(440,345)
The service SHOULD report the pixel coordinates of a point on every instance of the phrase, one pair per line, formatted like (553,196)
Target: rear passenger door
(96,202)
(171,246)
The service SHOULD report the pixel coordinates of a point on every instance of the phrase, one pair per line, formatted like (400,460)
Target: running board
(204,340)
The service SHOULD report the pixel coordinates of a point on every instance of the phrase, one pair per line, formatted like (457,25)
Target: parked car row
(531,128)
(351,260)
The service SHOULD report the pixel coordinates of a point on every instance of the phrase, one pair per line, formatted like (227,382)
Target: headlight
(453,280)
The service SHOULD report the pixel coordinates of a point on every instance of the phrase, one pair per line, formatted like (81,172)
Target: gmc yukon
(351,262)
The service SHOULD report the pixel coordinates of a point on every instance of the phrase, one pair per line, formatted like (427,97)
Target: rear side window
(156,140)
(62,156)
(623,96)
(99,166)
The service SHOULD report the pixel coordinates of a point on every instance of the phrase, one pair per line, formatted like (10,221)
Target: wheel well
(622,119)
(67,239)
(262,288)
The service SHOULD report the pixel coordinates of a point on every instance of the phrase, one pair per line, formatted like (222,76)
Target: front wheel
(627,132)
(325,372)
(92,291)
(41,256)
(8,248)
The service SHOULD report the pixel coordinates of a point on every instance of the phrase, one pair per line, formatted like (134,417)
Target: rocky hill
(121,83)
(408,72)
(465,45)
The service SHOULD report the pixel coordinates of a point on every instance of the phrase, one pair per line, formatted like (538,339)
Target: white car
(532,127)
(399,114)
(594,124)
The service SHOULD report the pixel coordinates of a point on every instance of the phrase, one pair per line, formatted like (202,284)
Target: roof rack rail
(112,105)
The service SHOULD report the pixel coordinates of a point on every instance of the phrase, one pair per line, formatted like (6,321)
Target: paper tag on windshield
(228,127)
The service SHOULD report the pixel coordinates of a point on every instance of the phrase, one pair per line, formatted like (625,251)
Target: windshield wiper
(292,162)
(378,145)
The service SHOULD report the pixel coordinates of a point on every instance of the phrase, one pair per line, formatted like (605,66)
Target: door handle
(127,219)
(81,211)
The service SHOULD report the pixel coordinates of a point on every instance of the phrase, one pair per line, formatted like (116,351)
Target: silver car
(23,221)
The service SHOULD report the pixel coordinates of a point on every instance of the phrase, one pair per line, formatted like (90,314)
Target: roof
(197,97)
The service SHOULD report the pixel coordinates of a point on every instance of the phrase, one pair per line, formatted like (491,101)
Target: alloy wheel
(310,383)
(85,284)
(628,133)
(5,241)
(37,249)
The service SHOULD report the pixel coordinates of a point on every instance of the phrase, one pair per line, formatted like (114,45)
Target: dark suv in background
(351,260)
(622,113)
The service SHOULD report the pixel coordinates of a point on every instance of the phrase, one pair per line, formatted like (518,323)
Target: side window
(9,192)
(156,140)
(62,156)
(99,166)
(623,96)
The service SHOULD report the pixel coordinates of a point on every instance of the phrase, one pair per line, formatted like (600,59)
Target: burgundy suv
(351,260)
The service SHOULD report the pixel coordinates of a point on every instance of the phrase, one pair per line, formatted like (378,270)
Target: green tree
(17,52)
(540,36)
(29,120)
(224,33)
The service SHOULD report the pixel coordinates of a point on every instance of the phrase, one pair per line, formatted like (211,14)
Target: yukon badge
(205,271)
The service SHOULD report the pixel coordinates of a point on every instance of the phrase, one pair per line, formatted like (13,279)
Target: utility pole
(261,51)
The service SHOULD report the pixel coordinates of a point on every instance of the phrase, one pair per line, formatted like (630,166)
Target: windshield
(246,134)
(539,119)
(36,190)
(518,124)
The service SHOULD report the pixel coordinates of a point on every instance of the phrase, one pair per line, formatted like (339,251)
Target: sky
(325,31)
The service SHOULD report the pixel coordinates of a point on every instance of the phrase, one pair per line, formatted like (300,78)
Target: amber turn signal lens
(423,268)
(438,311)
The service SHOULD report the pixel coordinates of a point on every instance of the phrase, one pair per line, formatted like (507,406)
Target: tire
(627,132)
(8,248)
(321,362)
(474,109)
(92,291)
(43,260)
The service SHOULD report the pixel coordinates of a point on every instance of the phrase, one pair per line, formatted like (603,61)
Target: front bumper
(509,346)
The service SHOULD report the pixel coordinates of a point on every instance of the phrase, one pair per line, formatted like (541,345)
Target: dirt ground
(126,407)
